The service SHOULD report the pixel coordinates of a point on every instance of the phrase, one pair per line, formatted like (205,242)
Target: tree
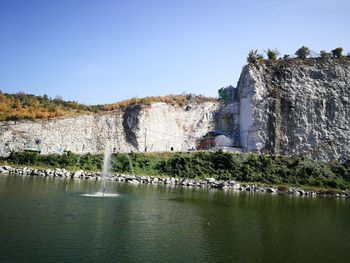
(58,98)
(254,56)
(286,57)
(272,53)
(337,53)
(303,52)
(325,55)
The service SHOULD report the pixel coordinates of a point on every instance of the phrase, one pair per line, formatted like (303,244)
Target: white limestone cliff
(156,127)
(296,107)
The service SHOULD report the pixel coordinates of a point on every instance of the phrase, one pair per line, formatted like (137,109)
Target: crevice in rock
(131,123)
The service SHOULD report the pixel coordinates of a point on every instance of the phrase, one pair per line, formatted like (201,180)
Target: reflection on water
(42,220)
(100,195)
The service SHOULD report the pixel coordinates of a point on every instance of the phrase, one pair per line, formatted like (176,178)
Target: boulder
(78,174)
(210,180)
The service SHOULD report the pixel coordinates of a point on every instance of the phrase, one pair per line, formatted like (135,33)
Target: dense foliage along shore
(263,169)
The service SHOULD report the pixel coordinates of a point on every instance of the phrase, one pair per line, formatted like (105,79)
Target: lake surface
(42,222)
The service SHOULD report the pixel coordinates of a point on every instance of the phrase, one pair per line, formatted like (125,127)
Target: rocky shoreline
(185,182)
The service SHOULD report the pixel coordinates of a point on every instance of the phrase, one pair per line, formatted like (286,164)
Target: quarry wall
(296,107)
(155,127)
(292,107)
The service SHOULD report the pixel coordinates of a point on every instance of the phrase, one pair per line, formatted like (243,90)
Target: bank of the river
(182,182)
(252,168)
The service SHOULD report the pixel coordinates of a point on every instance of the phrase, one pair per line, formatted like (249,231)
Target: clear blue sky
(104,51)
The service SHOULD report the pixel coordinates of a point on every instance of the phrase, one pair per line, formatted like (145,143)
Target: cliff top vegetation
(302,55)
(179,100)
(23,106)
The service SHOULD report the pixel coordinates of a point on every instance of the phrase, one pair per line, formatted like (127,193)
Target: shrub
(254,57)
(272,53)
(337,53)
(325,55)
(303,52)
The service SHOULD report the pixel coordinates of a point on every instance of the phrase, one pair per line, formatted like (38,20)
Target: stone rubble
(184,182)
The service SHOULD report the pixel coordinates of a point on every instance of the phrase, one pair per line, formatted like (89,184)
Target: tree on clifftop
(303,52)
(337,53)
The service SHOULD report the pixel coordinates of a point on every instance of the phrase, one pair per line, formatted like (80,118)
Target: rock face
(156,127)
(299,107)
(294,107)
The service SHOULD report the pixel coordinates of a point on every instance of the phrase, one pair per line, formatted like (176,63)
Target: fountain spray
(105,168)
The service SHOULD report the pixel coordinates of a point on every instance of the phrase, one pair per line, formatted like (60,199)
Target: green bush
(254,57)
(303,52)
(272,53)
(337,52)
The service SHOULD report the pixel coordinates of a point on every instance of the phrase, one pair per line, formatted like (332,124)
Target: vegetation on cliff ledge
(302,53)
(26,106)
(277,170)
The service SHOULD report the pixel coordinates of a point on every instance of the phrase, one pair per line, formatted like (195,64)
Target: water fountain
(105,173)
(105,169)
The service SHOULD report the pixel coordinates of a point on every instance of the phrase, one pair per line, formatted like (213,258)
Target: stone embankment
(200,183)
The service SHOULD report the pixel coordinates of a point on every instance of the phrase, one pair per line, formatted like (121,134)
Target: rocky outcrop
(155,127)
(296,107)
(293,107)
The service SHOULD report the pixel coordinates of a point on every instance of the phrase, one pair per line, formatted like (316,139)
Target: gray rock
(78,174)
(309,110)
(155,180)
(124,130)
(210,180)
(271,190)
(133,181)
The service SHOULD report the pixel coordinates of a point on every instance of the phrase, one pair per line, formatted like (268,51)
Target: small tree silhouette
(303,52)
(338,52)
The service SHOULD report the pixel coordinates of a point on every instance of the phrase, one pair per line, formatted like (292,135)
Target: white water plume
(105,168)
(100,194)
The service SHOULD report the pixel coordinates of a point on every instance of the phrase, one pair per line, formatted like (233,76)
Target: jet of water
(105,168)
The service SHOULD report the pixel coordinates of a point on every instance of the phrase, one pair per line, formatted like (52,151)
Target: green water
(41,222)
